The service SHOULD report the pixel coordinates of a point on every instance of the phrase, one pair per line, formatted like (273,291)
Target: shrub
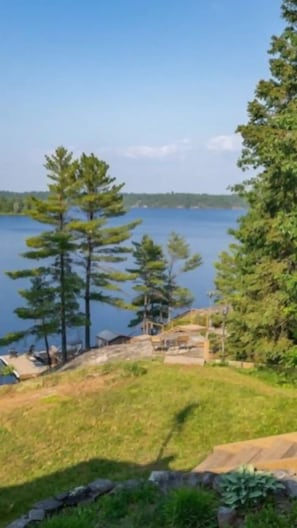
(269,518)
(134,369)
(125,369)
(6,370)
(115,507)
(190,508)
(247,487)
(215,343)
(77,518)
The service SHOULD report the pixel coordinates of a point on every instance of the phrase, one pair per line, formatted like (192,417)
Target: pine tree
(40,307)
(179,261)
(156,278)
(149,280)
(258,278)
(56,245)
(99,244)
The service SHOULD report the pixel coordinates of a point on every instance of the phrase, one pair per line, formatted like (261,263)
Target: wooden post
(206,355)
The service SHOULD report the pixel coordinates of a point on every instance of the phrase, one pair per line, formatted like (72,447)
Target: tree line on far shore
(79,259)
(17,203)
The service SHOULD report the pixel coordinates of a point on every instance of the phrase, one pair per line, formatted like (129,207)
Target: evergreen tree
(56,245)
(99,245)
(156,278)
(179,260)
(40,307)
(258,277)
(149,275)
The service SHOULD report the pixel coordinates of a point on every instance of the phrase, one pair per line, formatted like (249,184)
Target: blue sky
(154,87)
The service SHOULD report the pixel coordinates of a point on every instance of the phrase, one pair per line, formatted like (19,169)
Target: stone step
(264,442)
(275,452)
(280,464)
(218,457)
(246,455)
(265,465)
(280,448)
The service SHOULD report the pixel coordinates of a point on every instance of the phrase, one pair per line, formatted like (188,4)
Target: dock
(23,367)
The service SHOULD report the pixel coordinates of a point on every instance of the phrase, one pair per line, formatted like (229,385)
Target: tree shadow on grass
(178,422)
(17,500)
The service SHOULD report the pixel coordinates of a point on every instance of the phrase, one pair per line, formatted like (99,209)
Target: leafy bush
(241,355)
(217,320)
(247,487)
(6,370)
(215,343)
(76,518)
(269,518)
(127,508)
(270,353)
(125,369)
(116,506)
(290,359)
(190,508)
(134,369)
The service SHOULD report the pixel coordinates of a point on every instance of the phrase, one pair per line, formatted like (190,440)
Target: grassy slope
(64,430)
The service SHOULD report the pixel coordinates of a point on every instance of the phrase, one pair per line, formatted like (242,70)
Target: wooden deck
(23,367)
(268,453)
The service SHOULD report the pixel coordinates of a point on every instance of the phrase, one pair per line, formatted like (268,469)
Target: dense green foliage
(184,200)
(156,274)
(246,487)
(148,507)
(16,203)
(269,517)
(145,506)
(96,198)
(40,308)
(52,300)
(190,508)
(258,276)
(80,201)
(178,260)
(149,278)
(80,251)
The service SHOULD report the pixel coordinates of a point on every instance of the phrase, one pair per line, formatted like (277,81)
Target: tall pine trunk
(63,307)
(87,304)
(49,359)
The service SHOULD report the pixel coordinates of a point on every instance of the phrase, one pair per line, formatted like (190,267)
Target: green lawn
(67,429)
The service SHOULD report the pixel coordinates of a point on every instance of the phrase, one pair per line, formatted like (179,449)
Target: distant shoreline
(3,213)
(215,208)
(14,203)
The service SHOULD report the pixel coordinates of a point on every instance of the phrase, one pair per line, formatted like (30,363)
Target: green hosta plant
(247,487)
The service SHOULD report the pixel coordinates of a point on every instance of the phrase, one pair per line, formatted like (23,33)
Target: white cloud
(225,143)
(157,152)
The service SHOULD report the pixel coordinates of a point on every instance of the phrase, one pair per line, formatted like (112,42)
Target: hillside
(124,419)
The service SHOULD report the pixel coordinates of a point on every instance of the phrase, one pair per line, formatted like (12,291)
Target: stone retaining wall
(166,480)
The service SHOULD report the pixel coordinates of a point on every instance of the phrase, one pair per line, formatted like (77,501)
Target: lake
(204,230)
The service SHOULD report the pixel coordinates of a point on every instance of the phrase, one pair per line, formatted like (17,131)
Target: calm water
(205,231)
